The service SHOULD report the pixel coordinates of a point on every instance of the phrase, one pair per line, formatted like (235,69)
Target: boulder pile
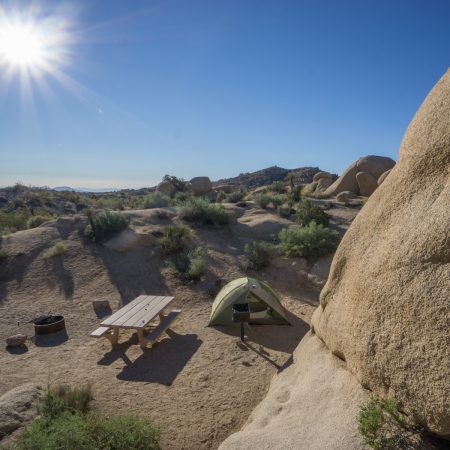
(362,176)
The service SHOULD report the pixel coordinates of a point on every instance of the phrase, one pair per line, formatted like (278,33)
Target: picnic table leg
(113,337)
(142,341)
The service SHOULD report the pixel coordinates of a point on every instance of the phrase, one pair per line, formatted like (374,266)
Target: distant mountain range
(82,189)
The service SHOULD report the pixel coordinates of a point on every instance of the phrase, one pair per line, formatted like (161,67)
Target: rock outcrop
(311,405)
(383,176)
(366,183)
(384,308)
(200,185)
(372,165)
(383,311)
(166,188)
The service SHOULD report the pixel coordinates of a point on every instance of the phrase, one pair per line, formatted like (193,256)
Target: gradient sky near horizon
(138,89)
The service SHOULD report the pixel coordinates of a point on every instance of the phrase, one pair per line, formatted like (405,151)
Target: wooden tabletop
(138,313)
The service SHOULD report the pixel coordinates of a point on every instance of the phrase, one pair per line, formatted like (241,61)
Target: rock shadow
(163,362)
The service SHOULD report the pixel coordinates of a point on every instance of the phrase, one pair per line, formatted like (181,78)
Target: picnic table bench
(145,314)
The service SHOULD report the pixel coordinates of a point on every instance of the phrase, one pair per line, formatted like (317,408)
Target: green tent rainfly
(264,303)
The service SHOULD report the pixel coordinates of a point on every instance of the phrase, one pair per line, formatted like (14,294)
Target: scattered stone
(100,304)
(16,341)
(367,183)
(383,176)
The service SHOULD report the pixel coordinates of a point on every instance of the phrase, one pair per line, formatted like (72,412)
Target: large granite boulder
(367,183)
(200,185)
(227,188)
(311,405)
(384,308)
(320,175)
(383,176)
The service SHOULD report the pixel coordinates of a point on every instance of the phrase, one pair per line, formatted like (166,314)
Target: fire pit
(49,324)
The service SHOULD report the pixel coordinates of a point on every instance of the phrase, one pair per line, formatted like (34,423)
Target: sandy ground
(199,383)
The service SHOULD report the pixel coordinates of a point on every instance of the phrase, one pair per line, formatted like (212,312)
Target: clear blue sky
(204,87)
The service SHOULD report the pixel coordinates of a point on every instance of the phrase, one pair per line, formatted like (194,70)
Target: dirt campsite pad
(199,383)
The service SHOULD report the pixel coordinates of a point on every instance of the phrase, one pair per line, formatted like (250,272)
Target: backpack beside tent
(263,302)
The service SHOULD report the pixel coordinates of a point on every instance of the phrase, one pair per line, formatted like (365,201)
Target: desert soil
(198,383)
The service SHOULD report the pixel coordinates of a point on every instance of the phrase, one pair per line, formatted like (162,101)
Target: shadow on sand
(159,364)
(281,338)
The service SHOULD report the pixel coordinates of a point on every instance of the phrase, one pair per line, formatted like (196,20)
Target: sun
(22,45)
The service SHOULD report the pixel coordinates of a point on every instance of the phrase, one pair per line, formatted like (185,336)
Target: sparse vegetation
(221,196)
(277,200)
(307,212)
(104,224)
(258,254)
(204,212)
(278,186)
(174,239)
(235,197)
(180,198)
(155,200)
(189,265)
(263,200)
(382,426)
(35,221)
(57,250)
(65,423)
(311,241)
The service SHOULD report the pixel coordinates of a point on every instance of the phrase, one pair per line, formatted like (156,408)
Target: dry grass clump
(174,239)
(190,265)
(57,250)
(203,212)
(104,224)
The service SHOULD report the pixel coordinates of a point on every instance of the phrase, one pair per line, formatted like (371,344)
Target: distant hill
(269,175)
(82,189)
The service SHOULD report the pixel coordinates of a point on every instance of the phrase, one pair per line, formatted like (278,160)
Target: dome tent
(264,303)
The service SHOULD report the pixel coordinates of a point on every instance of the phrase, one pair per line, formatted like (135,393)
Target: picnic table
(145,314)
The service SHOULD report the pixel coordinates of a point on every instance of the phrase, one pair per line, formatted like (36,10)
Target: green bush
(277,186)
(221,196)
(263,200)
(14,220)
(57,250)
(277,200)
(190,265)
(203,212)
(235,197)
(382,425)
(307,212)
(258,254)
(311,241)
(155,200)
(284,211)
(66,424)
(102,225)
(180,198)
(35,221)
(174,239)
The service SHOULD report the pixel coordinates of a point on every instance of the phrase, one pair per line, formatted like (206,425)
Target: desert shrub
(179,183)
(284,211)
(307,212)
(258,254)
(35,221)
(4,255)
(180,198)
(203,212)
(277,186)
(174,239)
(296,193)
(190,265)
(311,241)
(263,200)
(65,424)
(235,197)
(104,224)
(15,220)
(381,425)
(221,196)
(72,398)
(57,250)
(155,200)
(277,200)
